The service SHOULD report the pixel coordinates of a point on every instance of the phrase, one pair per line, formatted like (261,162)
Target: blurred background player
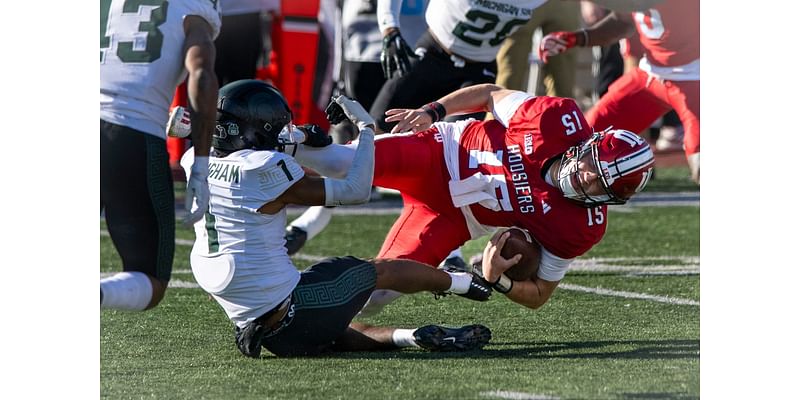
(458,50)
(513,62)
(360,76)
(145,52)
(240,44)
(668,75)
(239,258)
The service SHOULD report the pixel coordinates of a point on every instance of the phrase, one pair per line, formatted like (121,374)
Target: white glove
(356,113)
(179,124)
(197,191)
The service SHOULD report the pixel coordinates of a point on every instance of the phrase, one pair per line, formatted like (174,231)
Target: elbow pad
(356,186)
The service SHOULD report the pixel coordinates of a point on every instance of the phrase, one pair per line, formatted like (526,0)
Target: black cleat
(439,338)
(295,239)
(479,289)
(248,339)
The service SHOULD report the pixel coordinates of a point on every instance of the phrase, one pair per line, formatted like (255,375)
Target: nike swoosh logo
(486,72)
(452,339)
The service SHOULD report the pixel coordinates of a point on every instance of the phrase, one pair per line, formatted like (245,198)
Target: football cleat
(479,289)
(439,338)
(248,339)
(295,239)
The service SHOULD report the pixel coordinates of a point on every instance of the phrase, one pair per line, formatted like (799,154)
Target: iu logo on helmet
(628,137)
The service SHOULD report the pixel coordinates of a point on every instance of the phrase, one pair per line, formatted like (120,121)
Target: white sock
(313,220)
(459,282)
(377,300)
(130,291)
(404,338)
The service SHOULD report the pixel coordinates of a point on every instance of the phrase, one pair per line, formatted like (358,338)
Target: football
(521,242)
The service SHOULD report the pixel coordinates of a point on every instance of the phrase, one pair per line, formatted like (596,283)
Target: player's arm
(532,293)
(199,54)
(355,187)
(396,53)
(613,27)
(202,86)
(466,100)
(388,13)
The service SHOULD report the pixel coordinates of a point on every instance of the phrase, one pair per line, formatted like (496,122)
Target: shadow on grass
(604,349)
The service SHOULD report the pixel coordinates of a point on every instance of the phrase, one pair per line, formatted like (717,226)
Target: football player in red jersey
(668,76)
(537,165)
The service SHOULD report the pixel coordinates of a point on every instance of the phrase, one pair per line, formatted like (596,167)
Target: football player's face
(588,177)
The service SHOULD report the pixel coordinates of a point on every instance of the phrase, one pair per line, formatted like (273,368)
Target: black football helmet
(250,115)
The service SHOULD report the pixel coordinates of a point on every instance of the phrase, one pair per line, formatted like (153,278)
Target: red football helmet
(622,161)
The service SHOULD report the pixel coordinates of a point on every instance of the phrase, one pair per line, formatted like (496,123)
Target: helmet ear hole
(256,109)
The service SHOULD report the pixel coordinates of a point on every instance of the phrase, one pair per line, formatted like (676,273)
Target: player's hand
(557,43)
(409,120)
(315,135)
(493,263)
(343,106)
(396,55)
(197,191)
(179,124)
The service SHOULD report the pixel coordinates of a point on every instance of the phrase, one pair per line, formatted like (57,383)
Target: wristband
(503,284)
(435,110)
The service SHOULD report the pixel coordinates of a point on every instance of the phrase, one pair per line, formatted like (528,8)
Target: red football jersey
(670,32)
(541,129)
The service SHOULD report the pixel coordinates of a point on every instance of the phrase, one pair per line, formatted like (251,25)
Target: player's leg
(409,276)
(512,58)
(136,191)
(363,337)
(306,227)
(238,47)
(412,163)
(559,72)
(424,234)
(685,98)
(628,104)
(325,300)
(419,234)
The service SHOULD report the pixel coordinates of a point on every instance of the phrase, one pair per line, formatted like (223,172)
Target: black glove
(334,112)
(315,136)
(395,55)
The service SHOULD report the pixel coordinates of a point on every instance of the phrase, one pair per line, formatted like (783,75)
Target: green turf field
(625,324)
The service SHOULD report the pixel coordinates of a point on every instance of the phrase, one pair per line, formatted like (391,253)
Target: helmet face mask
(621,161)
(250,115)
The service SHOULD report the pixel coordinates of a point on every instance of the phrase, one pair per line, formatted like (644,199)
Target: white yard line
(629,295)
(505,394)
(690,265)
